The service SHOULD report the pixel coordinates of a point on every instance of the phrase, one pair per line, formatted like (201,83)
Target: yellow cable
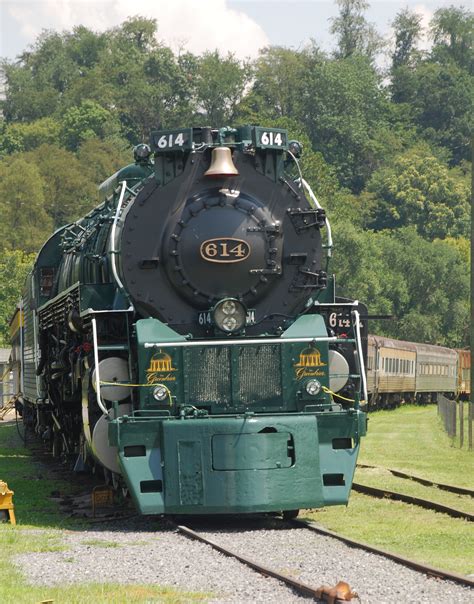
(168,392)
(349,400)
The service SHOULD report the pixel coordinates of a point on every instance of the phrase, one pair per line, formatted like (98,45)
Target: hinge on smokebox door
(306,279)
(307,219)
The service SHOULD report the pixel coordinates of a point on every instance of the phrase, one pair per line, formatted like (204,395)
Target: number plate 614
(225,249)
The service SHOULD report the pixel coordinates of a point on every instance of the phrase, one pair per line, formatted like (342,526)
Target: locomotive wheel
(290,514)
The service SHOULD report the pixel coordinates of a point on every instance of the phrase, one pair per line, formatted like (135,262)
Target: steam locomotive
(186,336)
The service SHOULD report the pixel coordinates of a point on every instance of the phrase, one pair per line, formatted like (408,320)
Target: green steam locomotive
(186,337)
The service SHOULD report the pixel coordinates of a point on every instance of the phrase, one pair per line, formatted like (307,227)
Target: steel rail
(418,566)
(424,503)
(302,588)
(423,481)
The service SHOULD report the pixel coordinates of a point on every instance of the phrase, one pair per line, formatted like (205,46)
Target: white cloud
(195,25)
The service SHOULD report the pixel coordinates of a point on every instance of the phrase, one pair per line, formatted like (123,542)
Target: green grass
(382,479)
(100,543)
(410,439)
(39,529)
(431,538)
(413,440)
(32,484)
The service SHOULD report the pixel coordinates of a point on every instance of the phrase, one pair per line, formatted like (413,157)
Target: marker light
(230,315)
(160,393)
(313,387)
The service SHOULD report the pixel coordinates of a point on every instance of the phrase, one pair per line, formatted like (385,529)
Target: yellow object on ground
(6,501)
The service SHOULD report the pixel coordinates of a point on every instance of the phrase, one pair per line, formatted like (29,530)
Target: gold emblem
(225,249)
(309,364)
(160,369)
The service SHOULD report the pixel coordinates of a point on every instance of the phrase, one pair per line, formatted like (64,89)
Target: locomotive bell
(221,163)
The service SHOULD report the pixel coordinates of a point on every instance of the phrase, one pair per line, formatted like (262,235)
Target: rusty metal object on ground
(341,592)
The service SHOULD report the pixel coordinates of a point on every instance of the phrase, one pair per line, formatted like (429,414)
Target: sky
(239,26)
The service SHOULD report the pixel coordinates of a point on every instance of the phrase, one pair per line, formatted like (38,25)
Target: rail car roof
(411,346)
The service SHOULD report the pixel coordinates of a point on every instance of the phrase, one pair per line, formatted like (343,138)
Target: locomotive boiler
(186,335)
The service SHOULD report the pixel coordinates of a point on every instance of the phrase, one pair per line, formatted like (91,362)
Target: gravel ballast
(149,556)
(142,556)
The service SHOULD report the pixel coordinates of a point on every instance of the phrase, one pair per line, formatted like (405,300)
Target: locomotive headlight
(229,315)
(160,393)
(313,387)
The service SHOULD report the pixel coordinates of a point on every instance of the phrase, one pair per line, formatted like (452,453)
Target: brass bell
(221,163)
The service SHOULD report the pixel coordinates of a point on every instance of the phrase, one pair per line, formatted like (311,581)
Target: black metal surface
(424,568)
(429,505)
(169,274)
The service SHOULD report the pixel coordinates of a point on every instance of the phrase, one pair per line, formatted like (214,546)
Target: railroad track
(423,481)
(418,566)
(424,503)
(222,545)
(337,594)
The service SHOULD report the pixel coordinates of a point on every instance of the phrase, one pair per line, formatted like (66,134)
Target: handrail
(262,341)
(103,408)
(360,356)
(316,204)
(113,252)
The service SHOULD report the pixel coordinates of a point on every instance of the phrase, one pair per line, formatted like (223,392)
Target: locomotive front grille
(259,374)
(234,376)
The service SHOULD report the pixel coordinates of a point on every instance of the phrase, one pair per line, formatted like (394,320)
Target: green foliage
(417,189)
(89,120)
(25,223)
(220,85)
(423,285)
(346,115)
(354,34)
(24,136)
(451,29)
(278,87)
(14,266)
(407,29)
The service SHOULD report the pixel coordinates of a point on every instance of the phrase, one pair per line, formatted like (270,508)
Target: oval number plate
(225,249)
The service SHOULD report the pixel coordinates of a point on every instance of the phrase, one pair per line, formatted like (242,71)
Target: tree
(100,159)
(424,285)
(67,194)
(25,136)
(89,120)
(418,189)
(14,267)
(279,84)
(25,224)
(407,29)
(219,84)
(354,34)
(451,30)
(346,115)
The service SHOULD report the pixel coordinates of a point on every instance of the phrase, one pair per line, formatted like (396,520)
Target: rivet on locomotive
(186,336)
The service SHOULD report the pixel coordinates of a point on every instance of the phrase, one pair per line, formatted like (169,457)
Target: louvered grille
(260,375)
(208,375)
(234,376)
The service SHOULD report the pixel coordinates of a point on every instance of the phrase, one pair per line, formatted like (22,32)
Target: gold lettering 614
(225,249)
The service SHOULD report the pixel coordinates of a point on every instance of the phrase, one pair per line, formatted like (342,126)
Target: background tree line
(386,150)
